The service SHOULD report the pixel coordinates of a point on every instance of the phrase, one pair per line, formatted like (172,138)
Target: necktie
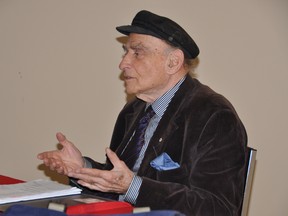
(132,151)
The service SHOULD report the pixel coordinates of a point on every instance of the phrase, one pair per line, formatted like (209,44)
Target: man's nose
(125,62)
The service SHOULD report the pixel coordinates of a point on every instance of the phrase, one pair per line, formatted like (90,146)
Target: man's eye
(136,53)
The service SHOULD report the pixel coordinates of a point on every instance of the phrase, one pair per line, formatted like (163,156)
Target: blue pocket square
(164,162)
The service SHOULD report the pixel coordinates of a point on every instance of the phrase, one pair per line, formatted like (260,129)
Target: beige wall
(59,72)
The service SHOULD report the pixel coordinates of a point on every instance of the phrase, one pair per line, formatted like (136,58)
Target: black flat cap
(164,28)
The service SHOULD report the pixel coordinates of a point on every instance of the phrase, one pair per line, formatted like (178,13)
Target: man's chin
(130,91)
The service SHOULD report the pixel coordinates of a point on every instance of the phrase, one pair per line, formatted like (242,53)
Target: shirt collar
(160,105)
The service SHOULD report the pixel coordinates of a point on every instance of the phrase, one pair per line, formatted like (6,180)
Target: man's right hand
(65,160)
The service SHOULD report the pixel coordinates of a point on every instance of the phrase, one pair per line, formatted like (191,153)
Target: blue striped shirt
(159,106)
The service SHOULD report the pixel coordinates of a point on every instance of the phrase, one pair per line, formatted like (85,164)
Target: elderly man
(186,153)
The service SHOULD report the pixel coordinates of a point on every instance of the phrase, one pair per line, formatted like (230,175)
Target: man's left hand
(116,180)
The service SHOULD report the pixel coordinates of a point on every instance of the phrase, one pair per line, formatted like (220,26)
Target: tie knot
(149,112)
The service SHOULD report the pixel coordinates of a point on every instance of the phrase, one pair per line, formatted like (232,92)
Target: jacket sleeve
(211,175)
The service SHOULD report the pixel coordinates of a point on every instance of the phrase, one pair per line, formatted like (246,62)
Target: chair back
(250,166)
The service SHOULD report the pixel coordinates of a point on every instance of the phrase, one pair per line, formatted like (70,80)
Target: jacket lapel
(131,120)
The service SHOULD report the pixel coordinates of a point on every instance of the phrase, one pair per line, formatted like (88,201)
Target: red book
(107,207)
(9,180)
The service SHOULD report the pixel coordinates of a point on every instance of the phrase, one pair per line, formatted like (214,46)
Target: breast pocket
(178,175)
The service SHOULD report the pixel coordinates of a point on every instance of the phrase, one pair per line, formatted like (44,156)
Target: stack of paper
(36,189)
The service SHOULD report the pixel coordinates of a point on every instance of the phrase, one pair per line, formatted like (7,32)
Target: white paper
(36,189)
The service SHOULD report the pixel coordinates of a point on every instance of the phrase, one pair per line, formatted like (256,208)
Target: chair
(251,160)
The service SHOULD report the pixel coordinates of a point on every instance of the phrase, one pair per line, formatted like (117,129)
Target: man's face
(143,66)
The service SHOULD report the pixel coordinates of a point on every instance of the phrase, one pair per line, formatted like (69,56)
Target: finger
(89,175)
(40,156)
(60,137)
(44,155)
(55,164)
(62,170)
(49,155)
(90,185)
(50,162)
(98,186)
(63,140)
(112,156)
(98,183)
(84,173)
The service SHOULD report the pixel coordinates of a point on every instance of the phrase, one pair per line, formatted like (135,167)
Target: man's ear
(175,61)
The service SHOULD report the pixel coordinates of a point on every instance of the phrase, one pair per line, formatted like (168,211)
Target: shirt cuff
(87,163)
(133,190)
